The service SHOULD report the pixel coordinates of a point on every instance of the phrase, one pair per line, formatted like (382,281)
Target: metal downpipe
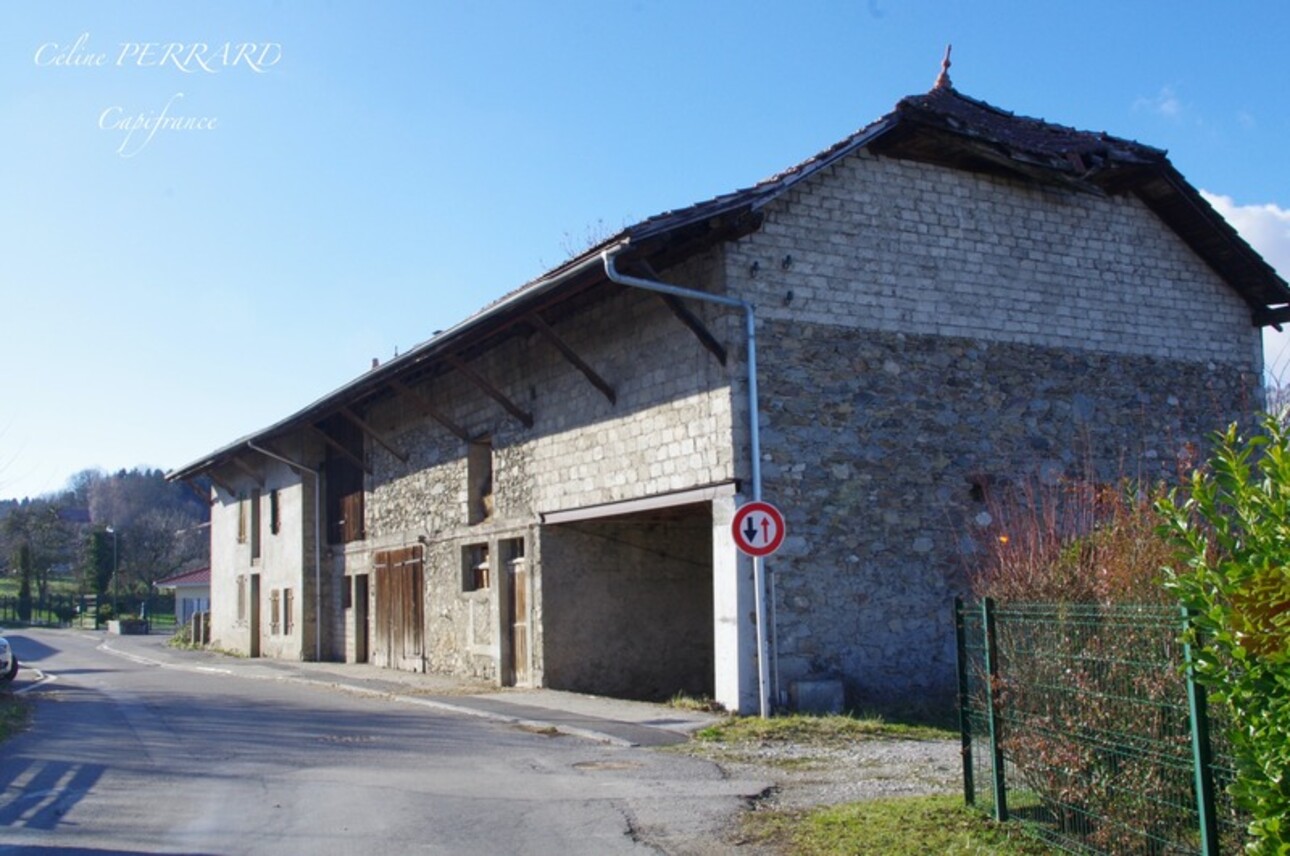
(754,438)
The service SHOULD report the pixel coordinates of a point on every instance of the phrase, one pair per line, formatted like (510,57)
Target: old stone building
(542,495)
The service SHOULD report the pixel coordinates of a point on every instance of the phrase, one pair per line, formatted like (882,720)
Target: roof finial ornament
(943,79)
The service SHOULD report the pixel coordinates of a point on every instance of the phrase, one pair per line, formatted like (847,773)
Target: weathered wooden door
(517,614)
(399,628)
(361,618)
(255,616)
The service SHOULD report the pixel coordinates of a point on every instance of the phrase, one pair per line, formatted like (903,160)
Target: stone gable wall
(906,247)
(944,326)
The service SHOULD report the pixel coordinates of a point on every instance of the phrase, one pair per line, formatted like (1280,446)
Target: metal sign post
(758,530)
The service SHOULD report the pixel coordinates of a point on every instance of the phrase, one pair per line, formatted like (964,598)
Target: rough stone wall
(629,606)
(944,326)
(904,247)
(871,445)
(669,430)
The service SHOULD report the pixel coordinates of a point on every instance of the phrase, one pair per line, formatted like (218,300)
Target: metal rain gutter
(754,438)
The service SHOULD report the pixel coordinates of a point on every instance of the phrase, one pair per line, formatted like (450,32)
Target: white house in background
(192,593)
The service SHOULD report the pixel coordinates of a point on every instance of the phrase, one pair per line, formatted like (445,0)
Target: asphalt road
(128,757)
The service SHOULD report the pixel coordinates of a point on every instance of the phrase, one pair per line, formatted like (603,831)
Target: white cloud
(1165,103)
(1267,229)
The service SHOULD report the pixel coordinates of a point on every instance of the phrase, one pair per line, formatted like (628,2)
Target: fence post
(1202,759)
(992,709)
(965,714)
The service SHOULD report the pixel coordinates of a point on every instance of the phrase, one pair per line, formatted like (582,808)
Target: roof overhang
(941,127)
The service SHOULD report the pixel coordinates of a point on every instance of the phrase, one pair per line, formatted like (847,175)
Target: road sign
(758,528)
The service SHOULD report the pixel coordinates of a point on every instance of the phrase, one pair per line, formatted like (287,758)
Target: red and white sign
(758,528)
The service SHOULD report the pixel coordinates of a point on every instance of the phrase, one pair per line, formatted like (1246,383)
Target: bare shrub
(1072,542)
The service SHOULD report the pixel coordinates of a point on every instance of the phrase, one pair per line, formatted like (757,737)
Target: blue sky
(389,168)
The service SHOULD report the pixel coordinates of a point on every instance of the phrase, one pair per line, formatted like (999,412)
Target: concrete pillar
(733,620)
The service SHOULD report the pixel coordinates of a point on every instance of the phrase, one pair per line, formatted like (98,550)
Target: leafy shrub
(1233,528)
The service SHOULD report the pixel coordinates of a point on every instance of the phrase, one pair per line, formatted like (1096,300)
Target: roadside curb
(434,704)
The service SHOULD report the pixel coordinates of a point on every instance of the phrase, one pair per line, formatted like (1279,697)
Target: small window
(347,593)
(241,518)
(479,481)
(275,612)
(255,525)
(474,567)
(275,513)
(288,611)
(241,598)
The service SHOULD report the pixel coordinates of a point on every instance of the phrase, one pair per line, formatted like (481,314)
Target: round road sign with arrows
(758,528)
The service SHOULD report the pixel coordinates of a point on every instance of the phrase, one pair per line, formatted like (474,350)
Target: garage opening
(627,604)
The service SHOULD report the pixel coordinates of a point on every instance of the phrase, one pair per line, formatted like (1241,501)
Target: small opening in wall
(475,570)
(255,525)
(479,480)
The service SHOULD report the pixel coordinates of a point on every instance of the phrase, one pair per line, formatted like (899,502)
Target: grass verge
(817,729)
(14,714)
(905,826)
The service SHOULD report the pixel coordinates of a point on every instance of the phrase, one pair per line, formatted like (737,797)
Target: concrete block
(818,695)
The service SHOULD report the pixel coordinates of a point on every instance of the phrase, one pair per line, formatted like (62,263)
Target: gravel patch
(811,774)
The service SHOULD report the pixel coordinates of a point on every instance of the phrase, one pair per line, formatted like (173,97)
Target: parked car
(8,661)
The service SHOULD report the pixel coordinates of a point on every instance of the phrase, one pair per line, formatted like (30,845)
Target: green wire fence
(64,610)
(1079,721)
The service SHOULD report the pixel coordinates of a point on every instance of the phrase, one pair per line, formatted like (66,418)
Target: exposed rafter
(248,470)
(221,483)
(569,354)
(426,406)
(493,392)
(203,495)
(689,319)
(345,453)
(374,434)
(1272,317)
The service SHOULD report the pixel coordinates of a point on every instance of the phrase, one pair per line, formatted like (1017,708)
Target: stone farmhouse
(543,494)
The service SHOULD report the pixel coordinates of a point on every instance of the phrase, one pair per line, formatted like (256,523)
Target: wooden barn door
(517,614)
(399,625)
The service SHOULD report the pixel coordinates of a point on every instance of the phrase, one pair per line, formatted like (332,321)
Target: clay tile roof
(947,108)
(199,577)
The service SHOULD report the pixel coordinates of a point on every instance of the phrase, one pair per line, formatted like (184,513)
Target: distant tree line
(131,523)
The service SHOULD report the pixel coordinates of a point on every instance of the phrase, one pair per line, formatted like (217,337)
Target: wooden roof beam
(221,483)
(493,392)
(696,325)
(1272,316)
(688,318)
(247,470)
(569,354)
(345,453)
(203,495)
(373,433)
(426,406)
